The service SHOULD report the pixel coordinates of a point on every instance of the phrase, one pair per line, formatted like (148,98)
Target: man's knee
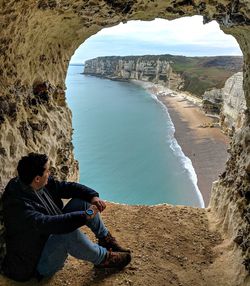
(75,236)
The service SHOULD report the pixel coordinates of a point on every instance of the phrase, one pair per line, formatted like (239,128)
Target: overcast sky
(186,36)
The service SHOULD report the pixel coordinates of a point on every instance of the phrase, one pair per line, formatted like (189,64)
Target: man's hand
(99,203)
(95,211)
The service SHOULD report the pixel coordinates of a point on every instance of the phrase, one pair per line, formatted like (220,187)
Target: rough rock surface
(37,41)
(212,101)
(228,102)
(234,104)
(166,249)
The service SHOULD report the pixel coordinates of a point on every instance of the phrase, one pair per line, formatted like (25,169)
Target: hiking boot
(109,242)
(116,260)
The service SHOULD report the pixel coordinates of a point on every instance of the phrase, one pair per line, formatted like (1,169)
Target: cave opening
(37,41)
(109,171)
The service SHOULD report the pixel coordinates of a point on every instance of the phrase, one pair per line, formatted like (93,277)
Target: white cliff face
(229,102)
(234,103)
(157,71)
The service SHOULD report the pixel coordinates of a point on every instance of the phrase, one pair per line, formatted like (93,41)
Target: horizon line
(205,56)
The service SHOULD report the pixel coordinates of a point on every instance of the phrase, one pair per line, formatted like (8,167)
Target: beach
(124,117)
(124,143)
(199,136)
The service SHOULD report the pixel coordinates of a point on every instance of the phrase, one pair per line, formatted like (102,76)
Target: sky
(185,36)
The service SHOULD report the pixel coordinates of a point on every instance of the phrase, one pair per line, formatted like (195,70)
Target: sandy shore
(205,146)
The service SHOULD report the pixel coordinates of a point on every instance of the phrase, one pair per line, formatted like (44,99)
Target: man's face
(43,180)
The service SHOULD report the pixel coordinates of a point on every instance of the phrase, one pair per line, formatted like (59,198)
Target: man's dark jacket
(28,223)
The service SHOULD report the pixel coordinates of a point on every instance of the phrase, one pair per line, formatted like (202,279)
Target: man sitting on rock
(40,232)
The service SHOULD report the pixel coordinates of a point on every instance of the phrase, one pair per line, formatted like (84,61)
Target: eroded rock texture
(228,102)
(234,104)
(139,68)
(37,40)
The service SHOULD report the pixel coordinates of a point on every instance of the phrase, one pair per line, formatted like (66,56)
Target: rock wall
(228,102)
(212,101)
(38,38)
(230,199)
(140,68)
(36,121)
(234,104)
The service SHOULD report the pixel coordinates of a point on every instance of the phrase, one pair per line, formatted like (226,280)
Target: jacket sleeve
(54,224)
(67,190)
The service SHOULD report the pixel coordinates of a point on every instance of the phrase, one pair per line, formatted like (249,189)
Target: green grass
(202,73)
(200,76)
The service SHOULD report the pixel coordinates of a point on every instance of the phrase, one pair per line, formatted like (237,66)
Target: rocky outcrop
(37,41)
(212,101)
(228,102)
(234,104)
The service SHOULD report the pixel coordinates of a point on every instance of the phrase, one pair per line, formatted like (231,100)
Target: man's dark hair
(31,166)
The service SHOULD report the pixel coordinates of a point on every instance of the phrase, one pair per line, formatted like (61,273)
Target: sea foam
(175,147)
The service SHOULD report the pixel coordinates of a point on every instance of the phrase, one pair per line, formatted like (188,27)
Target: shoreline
(206,147)
(185,159)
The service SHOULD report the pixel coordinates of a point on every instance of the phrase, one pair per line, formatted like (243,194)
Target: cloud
(187,36)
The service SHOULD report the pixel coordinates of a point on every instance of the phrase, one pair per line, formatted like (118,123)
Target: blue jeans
(75,243)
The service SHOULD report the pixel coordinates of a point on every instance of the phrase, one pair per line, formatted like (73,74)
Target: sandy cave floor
(170,246)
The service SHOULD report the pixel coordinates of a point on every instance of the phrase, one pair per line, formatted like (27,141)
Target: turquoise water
(124,143)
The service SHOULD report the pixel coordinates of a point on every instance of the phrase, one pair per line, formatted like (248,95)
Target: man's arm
(20,215)
(67,190)
(55,224)
(58,224)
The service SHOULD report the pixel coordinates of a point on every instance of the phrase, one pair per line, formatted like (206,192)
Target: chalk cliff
(140,68)
(192,74)
(38,38)
(234,104)
(229,103)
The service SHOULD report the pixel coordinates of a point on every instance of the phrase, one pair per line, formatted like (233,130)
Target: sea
(124,141)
